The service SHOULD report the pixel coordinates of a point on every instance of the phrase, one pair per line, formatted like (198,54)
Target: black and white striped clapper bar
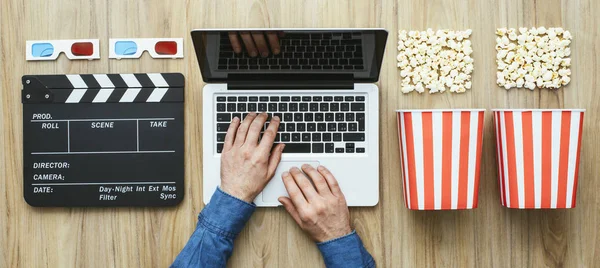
(103,139)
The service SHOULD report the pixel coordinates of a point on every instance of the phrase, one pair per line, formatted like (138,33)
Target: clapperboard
(103,139)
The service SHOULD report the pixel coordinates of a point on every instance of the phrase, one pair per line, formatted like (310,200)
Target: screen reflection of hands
(256,42)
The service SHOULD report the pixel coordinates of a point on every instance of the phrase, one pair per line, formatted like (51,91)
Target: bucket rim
(537,110)
(441,110)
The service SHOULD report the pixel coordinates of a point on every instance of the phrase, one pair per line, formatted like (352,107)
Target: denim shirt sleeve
(219,223)
(346,251)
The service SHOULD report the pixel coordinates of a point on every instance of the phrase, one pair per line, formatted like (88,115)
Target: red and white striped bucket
(538,156)
(440,151)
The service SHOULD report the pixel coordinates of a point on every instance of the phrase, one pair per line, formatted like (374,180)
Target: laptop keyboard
(308,51)
(309,123)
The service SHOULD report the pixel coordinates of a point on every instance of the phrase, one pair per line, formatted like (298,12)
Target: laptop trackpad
(275,188)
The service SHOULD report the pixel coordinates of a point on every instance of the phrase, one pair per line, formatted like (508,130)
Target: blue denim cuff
(225,214)
(343,251)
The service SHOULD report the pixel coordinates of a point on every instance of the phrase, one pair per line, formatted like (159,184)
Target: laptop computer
(321,85)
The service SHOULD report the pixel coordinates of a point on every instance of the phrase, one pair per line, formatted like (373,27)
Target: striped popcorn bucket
(440,152)
(538,157)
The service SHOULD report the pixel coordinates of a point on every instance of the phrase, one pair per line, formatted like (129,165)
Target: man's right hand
(320,210)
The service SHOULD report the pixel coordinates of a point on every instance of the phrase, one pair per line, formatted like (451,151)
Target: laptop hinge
(290,81)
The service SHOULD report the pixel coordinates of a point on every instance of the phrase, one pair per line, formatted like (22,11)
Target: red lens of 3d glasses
(166,48)
(82,49)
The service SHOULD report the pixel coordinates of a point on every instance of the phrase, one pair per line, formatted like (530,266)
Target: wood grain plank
(5,210)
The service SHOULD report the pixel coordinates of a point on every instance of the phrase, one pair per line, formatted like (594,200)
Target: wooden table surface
(490,236)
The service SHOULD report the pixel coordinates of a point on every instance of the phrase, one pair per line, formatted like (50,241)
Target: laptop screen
(282,53)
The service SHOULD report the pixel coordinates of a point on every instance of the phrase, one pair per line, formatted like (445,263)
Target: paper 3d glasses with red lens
(124,48)
(74,49)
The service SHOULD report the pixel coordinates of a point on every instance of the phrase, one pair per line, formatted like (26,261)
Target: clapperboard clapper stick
(103,139)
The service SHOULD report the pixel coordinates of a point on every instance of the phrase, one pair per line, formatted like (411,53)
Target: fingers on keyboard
(308,124)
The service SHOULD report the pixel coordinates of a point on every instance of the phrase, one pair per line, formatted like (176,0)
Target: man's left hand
(247,165)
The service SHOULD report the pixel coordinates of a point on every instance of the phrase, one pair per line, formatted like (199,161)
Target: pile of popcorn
(436,61)
(533,57)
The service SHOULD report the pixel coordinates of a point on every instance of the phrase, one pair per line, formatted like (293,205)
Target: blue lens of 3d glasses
(42,50)
(125,48)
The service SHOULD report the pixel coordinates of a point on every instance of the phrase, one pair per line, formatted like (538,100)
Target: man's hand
(320,210)
(255,42)
(247,165)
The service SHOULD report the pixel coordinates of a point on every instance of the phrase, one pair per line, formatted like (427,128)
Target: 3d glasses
(74,49)
(129,48)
